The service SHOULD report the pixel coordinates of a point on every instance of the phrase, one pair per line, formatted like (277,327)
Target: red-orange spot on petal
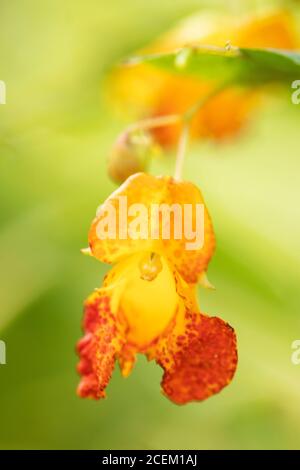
(98,348)
(199,363)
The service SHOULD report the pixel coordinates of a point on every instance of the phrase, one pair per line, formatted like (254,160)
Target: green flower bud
(129,155)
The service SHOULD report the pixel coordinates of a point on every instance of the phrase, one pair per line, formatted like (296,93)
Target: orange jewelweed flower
(154,92)
(147,304)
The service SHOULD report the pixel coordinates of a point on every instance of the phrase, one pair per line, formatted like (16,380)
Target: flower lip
(198,353)
(146,306)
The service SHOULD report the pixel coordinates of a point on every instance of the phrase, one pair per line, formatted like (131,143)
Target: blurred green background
(55,133)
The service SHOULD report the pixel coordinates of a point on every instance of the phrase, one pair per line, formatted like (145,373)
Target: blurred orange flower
(153,92)
(148,305)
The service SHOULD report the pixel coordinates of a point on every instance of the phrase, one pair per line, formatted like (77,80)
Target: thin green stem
(171,119)
(181,152)
(186,119)
(151,123)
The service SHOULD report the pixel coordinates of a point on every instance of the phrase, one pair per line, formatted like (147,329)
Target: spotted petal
(198,361)
(99,346)
(149,191)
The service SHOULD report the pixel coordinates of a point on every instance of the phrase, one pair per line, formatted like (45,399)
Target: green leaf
(231,64)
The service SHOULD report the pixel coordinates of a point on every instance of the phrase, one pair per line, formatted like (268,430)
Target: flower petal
(149,190)
(99,347)
(147,307)
(139,188)
(276,30)
(188,91)
(199,361)
(190,263)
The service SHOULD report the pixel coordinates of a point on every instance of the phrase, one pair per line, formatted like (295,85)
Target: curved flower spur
(147,303)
